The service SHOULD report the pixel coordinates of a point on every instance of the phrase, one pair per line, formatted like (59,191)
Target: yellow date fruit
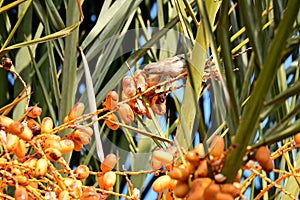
(66,146)
(46,125)
(11,142)
(41,167)
(109,179)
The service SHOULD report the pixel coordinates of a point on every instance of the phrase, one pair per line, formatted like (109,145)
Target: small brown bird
(172,66)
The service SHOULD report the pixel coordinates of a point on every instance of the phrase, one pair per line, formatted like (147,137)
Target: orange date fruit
(159,109)
(82,134)
(34,126)
(262,156)
(111,101)
(210,191)
(155,164)
(109,162)
(202,169)
(21,149)
(297,138)
(180,174)
(77,145)
(163,156)
(15,128)
(100,181)
(198,186)
(192,157)
(161,183)
(26,134)
(82,172)
(80,137)
(21,179)
(21,193)
(216,148)
(53,154)
(109,121)
(52,143)
(126,113)
(34,111)
(31,163)
(230,189)
(76,111)
(129,87)
(181,189)
(140,80)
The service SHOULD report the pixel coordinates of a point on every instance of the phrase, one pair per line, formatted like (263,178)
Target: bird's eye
(146,69)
